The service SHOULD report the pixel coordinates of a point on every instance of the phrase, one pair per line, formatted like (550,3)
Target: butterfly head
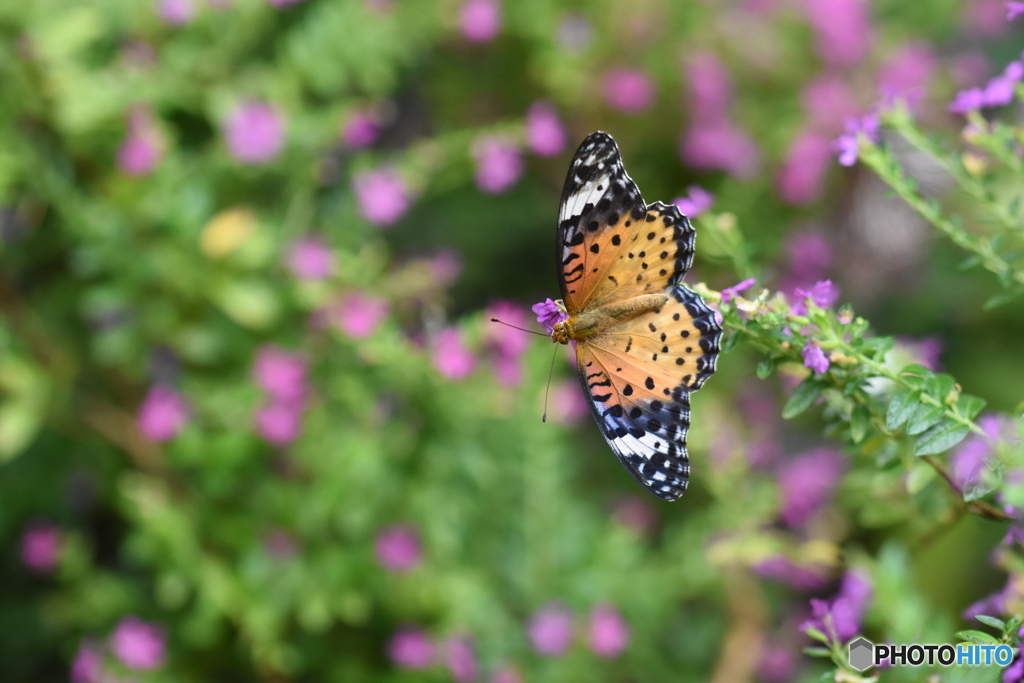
(560,333)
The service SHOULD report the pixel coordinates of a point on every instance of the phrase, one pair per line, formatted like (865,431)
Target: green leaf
(1003,298)
(979,637)
(941,437)
(969,406)
(878,345)
(860,420)
(765,368)
(924,417)
(816,634)
(817,652)
(901,407)
(939,386)
(920,476)
(916,375)
(804,396)
(991,621)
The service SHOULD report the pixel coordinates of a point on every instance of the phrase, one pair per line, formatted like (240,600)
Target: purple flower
(40,547)
(799,181)
(823,294)
(848,144)
(397,548)
(359,314)
(829,102)
(1014,10)
(143,146)
(254,132)
(969,69)
(446,267)
(1000,89)
(498,164)
(461,660)
(806,484)
(988,17)
(162,414)
(550,630)
(87,666)
(628,90)
(967,462)
(480,20)
(710,89)
(1015,672)
(451,357)
(568,405)
(176,12)
(841,618)
(729,293)
(137,644)
(720,147)
(608,632)
(410,648)
(381,194)
(993,605)
(842,28)
(780,569)
(814,357)
(279,423)
(971,99)
(360,131)
(310,259)
(697,201)
(280,373)
(544,131)
(906,74)
(777,664)
(808,258)
(549,313)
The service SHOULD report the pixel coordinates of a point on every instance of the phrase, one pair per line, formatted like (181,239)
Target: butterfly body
(645,341)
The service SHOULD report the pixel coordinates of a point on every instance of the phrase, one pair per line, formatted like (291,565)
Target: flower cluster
(282,377)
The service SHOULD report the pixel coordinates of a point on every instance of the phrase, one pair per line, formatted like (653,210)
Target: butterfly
(644,341)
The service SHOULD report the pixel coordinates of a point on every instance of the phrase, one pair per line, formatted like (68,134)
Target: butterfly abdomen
(592,323)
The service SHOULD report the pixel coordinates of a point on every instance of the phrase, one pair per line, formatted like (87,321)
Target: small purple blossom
(162,414)
(906,74)
(550,630)
(280,373)
(544,131)
(848,144)
(822,294)
(279,423)
(139,645)
(254,132)
(999,91)
(87,666)
(710,89)
(143,146)
(410,648)
(1014,10)
(40,547)
(1015,672)
(814,357)
(842,27)
(461,660)
(628,90)
(608,632)
(841,618)
(971,99)
(777,664)
(360,131)
(808,258)
(549,313)
(993,605)
(806,483)
(968,461)
(451,357)
(730,293)
(498,164)
(800,179)
(480,20)
(397,548)
(722,146)
(829,102)
(381,194)
(176,12)
(697,201)
(310,258)
(358,314)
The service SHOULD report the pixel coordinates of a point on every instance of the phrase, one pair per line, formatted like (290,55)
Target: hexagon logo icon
(862,654)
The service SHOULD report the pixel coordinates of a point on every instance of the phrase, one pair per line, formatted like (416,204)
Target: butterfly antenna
(547,390)
(521,329)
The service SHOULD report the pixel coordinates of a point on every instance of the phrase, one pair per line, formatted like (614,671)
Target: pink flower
(544,132)
(87,666)
(842,27)
(968,461)
(359,314)
(397,548)
(814,357)
(628,90)
(480,20)
(1014,10)
(729,293)
(848,144)
(451,357)
(410,648)
(280,373)
(137,644)
(381,194)
(823,294)
(806,484)
(498,165)
(549,313)
(829,101)
(697,201)
(550,630)
(310,259)
(969,69)
(461,660)
(906,74)
(710,89)
(176,12)
(254,132)
(360,131)
(721,147)
(279,423)
(507,343)
(804,578)
(567,405)
(162,414)
(777,663)
(608,633)
(800,179)
(841,619)
(988,17)
(809,256)
(40,547)
(143,146)
(971,99)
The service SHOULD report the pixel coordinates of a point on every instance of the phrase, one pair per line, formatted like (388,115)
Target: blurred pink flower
(799,181)
(968,460)
(1014,10)
(143,145)
(608,632)
(498,164)
(1000,90)
(636,513)
(971,99)
(842,27)
(804,578)
(988,17)
(550,630)
(279,423)
(480,20)
(829,102)
(710,89)
(841,618)
(808,259)
(87,666)
(969,69)
(925,351)
(162,414)
(360,131)
(814,357)
(777,663)
(848,144)
(40,547)
(397,548)
(730,293)
(309,258)
(254,132)
(176,12)
(451,357)
(381,194)
(410,648)
(567,404)
(806,483)
(461,660)
(359,314)
(544,131)
(823,294)
(280,373)
(697,201)
(722,147)
(907,73)
(446,267)
(628,90)
(506,343)
(507,674)
(137,644)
